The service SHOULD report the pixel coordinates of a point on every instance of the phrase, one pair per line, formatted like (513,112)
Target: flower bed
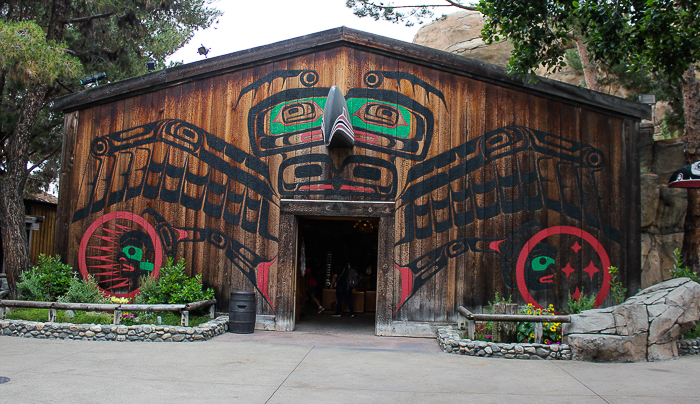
(451,341)
(114,332)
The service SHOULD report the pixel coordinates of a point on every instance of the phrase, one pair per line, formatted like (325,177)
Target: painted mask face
(117,249)
(135,256)
(579,266)
(384,120)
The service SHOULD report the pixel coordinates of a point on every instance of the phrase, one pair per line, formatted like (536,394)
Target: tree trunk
(691,106)
(589,70)
(14,236)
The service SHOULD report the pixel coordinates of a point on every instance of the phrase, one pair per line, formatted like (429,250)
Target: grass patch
(81,317)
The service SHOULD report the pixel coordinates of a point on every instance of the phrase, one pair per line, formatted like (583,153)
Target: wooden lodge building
(462,182)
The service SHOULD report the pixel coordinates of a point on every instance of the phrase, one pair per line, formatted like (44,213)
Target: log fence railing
(117,309)
(466,316)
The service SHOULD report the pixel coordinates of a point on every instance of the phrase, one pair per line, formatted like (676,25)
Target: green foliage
(46,281)
(573,59)
(30,287)
(28,57)
(499,299)
(693,333)
(551,331)
(582,304)
(83,291)
(173,286)
(680,270)
(617,289)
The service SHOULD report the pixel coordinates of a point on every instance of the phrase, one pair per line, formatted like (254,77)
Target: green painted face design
(297,115)
(541,263)
(380,116)
(136,254)
(133,253)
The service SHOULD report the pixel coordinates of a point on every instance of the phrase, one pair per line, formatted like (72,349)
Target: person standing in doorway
(311,287)
(343,291)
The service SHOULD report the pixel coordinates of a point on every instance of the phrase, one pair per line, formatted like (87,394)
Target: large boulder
(645,327)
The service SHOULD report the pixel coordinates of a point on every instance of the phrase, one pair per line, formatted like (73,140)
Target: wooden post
(212,311)
(461,321)
(52,315)
(505,331)
(538,333)
(117,317)
(3,311)
(471,328)
(185,318)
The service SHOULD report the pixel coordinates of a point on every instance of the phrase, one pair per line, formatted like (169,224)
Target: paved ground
(319,364)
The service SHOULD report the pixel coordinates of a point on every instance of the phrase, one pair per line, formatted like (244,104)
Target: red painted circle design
(111,224)
(551,231)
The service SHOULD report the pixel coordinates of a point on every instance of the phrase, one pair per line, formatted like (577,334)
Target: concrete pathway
(319,367)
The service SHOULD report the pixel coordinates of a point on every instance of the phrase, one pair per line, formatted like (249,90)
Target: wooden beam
(513,317)
(336,208)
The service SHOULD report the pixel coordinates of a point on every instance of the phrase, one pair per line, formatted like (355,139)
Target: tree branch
(88,18)
(48,156)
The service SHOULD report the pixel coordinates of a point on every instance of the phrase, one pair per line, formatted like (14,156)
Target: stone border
(114,332)
(689,346)
(451,341)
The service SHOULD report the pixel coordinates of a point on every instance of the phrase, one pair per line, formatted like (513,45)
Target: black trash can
(241,312)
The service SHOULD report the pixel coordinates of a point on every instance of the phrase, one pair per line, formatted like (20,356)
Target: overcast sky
(247,24)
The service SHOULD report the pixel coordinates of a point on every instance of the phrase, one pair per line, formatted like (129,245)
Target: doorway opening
(324,247)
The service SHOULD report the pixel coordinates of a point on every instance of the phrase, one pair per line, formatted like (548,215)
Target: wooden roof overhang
(343,36)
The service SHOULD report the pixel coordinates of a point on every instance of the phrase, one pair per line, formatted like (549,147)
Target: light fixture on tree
(649,99)
(93,79)
(203,50)
(150,65)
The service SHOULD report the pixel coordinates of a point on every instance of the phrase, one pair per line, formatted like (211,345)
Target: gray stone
(542,352)
(646,326)
(69,314)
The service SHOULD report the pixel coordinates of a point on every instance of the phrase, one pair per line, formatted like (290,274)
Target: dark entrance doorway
(325,246)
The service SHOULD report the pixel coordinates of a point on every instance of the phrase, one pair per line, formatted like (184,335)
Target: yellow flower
(529,305)
(546,324)
(553,329)
(532,335)
(551,306)
(557,324)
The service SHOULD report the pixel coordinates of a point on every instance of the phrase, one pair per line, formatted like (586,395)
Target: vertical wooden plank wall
(502,167)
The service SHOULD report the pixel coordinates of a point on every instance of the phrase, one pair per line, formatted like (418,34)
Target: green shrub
(173,286)
(46,281)
(681,271)
(30,287)
(83,291)
(149,291)
(616,289)
(583,303)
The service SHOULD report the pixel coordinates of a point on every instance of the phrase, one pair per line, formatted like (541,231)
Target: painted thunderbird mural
(393,119)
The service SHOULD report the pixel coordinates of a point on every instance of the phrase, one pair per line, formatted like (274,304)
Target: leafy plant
(83,291)
(46,281)
(617,290)
(582,304)
(173,286)
(30,286)
(499,299)
(680,270)
(551,331)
